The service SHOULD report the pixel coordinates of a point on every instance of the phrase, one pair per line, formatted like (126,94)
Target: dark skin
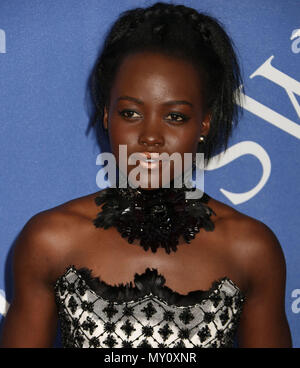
(240,247)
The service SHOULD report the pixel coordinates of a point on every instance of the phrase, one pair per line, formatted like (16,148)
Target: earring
(202,139)
(201,144)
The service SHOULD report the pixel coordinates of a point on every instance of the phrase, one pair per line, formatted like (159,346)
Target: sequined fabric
(94,314)
(156,218)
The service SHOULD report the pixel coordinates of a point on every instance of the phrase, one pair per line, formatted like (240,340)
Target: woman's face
(156,106)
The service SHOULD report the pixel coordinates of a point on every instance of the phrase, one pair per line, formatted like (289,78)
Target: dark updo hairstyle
(182,32)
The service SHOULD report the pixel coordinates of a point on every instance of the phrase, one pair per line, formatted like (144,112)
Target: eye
(178,117)
(128,114)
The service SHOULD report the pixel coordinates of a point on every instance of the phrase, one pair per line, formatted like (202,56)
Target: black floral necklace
(157,217)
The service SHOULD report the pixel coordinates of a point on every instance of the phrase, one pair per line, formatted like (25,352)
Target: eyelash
(183,117)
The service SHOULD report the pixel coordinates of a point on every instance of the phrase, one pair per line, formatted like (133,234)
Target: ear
(105,118)
(205,125)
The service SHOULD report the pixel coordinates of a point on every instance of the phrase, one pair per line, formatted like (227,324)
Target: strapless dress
(148,314)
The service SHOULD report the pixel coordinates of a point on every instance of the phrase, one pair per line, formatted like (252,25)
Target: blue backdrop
(47,50)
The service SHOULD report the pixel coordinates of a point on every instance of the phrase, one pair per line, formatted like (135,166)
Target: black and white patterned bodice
(147,314)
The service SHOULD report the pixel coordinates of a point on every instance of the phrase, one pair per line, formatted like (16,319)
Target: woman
(165,82)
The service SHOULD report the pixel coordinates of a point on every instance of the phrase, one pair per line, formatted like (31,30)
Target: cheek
(184,141)
(122,135)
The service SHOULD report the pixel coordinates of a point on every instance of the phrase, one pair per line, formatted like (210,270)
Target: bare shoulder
(47,238)
(250,235)
(253,245)
(257,252)
(40,251)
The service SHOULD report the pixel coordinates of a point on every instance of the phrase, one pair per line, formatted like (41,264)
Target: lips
(148,160)
(150,157)
(146,156)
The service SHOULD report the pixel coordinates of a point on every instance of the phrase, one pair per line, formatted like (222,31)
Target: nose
(151,135)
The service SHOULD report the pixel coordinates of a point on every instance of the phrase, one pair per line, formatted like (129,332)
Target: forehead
(153,73)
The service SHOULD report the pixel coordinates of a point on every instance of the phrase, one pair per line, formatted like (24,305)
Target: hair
(182,32)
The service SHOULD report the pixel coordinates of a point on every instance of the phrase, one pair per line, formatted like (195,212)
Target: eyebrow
(140,102)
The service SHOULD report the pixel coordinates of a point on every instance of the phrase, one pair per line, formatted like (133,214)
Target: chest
(193,266)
